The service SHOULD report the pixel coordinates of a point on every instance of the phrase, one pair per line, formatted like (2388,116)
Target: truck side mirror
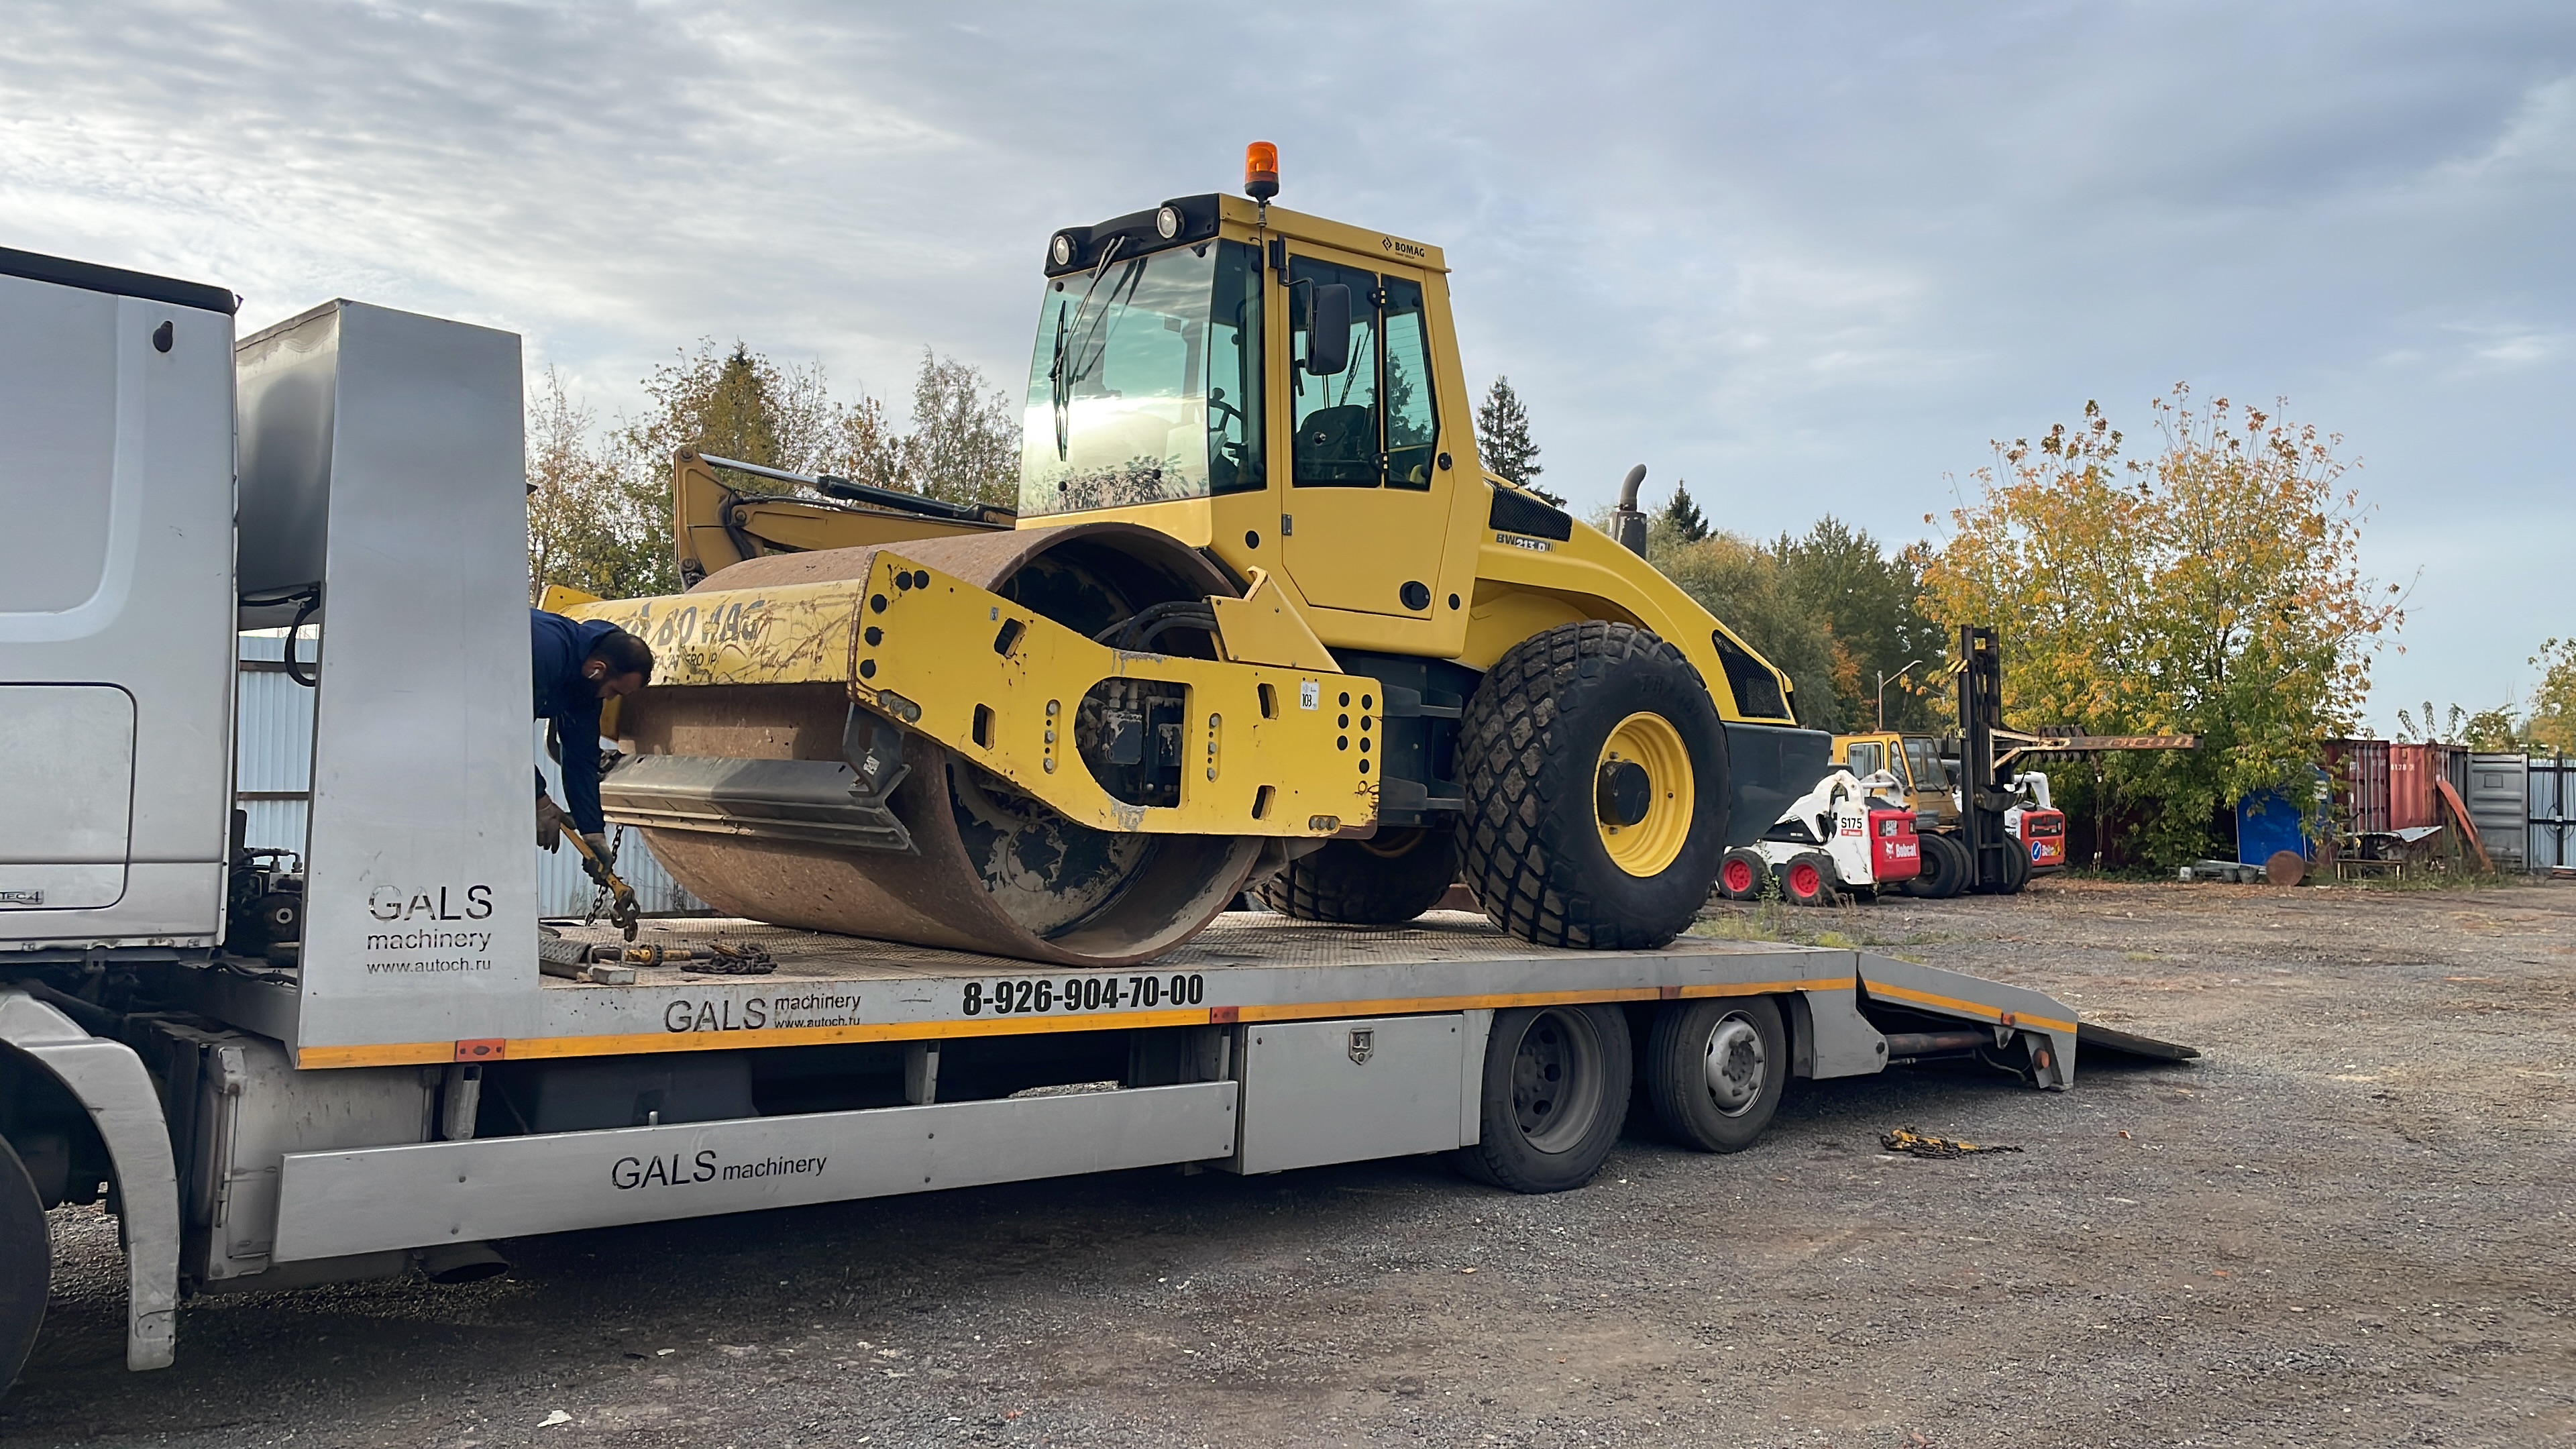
(1328,330)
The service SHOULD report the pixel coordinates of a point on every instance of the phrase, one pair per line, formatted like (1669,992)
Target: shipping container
(2271,821)
(2360,777)
(2552,812)
(2499,798)
(2411,772)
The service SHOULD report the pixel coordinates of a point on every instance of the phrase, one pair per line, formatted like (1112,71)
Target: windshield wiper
(1061,376)
(1060,390)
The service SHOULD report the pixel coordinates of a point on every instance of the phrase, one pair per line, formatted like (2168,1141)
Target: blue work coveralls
(558,647)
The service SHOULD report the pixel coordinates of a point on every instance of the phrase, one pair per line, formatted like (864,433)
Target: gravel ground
(2348,1224)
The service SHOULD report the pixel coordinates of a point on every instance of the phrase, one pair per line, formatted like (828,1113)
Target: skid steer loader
(1259,618)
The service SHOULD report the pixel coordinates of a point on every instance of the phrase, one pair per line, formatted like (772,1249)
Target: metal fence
(273,785)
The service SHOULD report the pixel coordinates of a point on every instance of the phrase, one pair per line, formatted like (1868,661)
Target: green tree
(1866,597)
(2553,704)
(587,529)
(1503,439)
(600,513)
(2214,590)
(1684,515)
(1743,584)
(965,439)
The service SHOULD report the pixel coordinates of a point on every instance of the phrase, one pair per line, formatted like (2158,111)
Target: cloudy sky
(1809,257)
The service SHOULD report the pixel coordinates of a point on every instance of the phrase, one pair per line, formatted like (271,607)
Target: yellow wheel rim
(1643,794)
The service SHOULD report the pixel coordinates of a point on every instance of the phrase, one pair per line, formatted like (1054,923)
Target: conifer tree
(1684,515)
(1503,437)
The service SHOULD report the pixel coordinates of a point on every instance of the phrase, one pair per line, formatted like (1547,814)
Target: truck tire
(1945,869)
(26,1264)
(1556,1086)
(1740,874)
(1715,1070)
(1381,882)
(1595,773)
(1808,880)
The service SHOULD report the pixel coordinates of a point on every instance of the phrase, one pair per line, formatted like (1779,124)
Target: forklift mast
(1981,802)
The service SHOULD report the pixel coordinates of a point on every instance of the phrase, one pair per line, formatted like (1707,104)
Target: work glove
(550,823)
(600,847)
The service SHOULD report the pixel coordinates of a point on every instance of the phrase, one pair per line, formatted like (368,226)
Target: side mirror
(1328,330)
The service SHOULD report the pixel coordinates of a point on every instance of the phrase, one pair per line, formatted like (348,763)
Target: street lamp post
(1883,678)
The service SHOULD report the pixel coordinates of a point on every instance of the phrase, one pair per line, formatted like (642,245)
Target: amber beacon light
(1261,171)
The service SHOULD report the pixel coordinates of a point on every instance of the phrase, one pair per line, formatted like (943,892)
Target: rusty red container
(2358,773)
(2412,769)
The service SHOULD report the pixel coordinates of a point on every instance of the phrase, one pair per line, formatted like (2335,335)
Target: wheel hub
(1736,1066)
(1624,792)
(1644,794)
(1556,1080)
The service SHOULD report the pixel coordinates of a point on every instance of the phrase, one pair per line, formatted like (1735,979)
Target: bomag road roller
(1259,621)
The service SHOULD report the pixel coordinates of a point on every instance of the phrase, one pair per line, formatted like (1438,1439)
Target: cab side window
(1412,426)
(1865,758)
(1337,426)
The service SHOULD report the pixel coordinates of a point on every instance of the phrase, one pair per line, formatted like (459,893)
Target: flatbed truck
(427,1070)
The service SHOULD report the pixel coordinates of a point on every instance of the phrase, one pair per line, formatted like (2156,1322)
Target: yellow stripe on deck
(401,1054)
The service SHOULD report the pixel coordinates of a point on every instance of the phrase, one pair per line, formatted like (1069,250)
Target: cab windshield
(1145,385)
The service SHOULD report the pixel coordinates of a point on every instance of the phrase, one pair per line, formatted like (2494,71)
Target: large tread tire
(1741,873)
(1946,868)
(26,1264)
(1711,1092)
(1528,749)
(1381,882)
(1556,1085)
(1808,879)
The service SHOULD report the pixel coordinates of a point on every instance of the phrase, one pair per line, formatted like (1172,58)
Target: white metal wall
(273,780)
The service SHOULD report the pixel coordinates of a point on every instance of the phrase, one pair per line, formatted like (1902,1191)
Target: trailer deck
(1250,966)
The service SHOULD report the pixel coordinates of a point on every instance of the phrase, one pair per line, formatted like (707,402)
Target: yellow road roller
(1258,621)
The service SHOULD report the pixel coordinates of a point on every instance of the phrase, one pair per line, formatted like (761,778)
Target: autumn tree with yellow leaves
(2213,589)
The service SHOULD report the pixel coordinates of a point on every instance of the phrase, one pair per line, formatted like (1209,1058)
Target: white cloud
(1810,258)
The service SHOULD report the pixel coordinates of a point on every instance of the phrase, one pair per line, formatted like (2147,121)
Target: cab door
(1366,511)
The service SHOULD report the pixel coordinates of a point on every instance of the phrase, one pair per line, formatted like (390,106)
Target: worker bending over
(579,666)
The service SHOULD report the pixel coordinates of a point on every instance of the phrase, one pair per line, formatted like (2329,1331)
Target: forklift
(1964,788)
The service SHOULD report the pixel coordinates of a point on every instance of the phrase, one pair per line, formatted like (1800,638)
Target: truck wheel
(1715,1070)
(1556,1091)
(1595,773)
(1945,869)
(1381,882)
(1739,875)
(26,1264)
(1808,880)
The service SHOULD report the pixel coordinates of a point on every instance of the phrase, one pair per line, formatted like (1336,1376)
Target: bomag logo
(447,903)
(1416,250)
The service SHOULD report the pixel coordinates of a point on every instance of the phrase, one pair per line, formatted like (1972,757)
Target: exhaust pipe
(1627,521)
(454,1263)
